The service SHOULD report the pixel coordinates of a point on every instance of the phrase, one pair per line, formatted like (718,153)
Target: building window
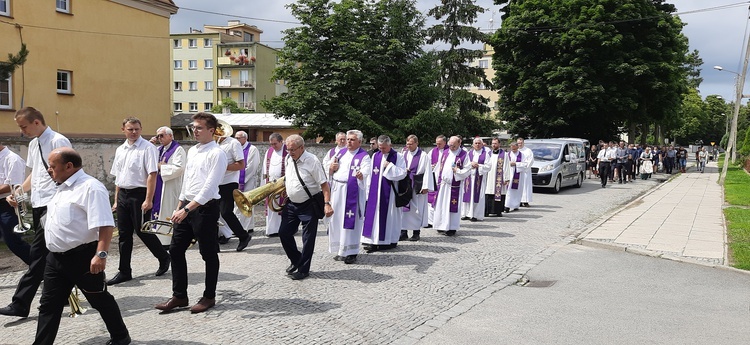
(177,64)
(249,37)
(209,85)
(64,81)
(207,106)
(484,64)
(208,64)
(177,43)
(192,43)
(227,94)
(4,7)
(193,85)
(193,64)
(177,106)
(178,86)
(207,43)
(227,74)
(193,106)
(63,6)
(6,94)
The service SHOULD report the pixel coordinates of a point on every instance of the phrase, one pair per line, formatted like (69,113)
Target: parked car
(558,162)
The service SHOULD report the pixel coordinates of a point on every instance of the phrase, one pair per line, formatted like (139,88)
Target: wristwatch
(102,254)
(187,210)
(327,203)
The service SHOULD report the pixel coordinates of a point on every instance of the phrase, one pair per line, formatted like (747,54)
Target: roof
(252,120)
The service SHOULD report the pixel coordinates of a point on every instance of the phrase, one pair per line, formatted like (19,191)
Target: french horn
(272,190)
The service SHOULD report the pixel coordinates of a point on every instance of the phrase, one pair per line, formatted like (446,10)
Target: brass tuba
(272,190)
(156,227)
(222,131)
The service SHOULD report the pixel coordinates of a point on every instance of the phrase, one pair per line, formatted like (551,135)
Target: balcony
(247,105)
(235,84)
(226,62)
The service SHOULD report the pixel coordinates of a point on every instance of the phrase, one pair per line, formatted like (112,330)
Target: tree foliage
(588,68)
(229,104)
(14,61)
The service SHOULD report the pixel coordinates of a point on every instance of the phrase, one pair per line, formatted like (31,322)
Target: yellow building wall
(119,57)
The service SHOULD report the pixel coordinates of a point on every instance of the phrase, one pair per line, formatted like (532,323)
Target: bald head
(63,163)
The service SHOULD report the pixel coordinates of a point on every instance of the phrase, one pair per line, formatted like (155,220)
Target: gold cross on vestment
(454,201)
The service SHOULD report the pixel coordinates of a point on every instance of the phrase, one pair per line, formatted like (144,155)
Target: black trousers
(130,217)
(8,221)
(226,205)
(491,206)
(668,164)
(291,216)
(604,172)
(30,280)
(200,224)
(61,273)
(622,171)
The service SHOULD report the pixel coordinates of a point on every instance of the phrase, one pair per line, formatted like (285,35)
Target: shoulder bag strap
(300,179)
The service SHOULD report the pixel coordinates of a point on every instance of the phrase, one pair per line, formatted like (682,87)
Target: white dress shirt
(311,171)
(133,163)
(75,213)
(206,165)
(233,150)
(12,169)
(42,186)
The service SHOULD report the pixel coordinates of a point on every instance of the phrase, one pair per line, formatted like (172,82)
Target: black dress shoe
(223,240)
(450,233)
(122,341)
(243,243)
(441,232)
(404,235)
(273,235)
(507,209)
(291,269)
(11,311)
(373,248)
(473,219)
(464,218)
(415,237)
(350,259)
(299,275)
(428,226)
(338,258)
(163,266)
(119,278)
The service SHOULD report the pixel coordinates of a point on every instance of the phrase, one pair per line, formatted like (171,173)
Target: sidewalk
(680,219)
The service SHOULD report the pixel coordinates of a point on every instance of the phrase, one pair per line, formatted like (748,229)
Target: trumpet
(272,190)
(21,198)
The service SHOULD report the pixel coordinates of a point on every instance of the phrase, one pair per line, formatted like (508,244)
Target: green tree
(230,104)
(352,64)
(14,61)
(588,68)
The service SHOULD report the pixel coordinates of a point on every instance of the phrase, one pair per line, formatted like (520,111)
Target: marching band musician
(42,188)
(78,233)
(248,179)
(169,180)
(274,169)
(12,171)
(197,216)
(235,163)
(135,168)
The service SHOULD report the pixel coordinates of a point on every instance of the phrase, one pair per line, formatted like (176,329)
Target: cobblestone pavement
(394,296)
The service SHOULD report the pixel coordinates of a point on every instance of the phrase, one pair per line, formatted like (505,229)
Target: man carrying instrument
(235,162)
(12,171)
(78,234)
(274,169)
(135,167)
(169,180)
(42,188)
(197,215)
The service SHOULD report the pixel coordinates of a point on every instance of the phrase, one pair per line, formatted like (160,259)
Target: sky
(716,28)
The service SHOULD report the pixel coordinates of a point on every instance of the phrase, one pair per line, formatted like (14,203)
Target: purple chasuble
(242,172)
(432,196)
(477,179)
(499,175)
(376,179)
(413,171)
(516,174)
(164,156)
(456,185)
(352,188)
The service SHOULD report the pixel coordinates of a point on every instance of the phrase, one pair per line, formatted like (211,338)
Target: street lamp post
(732,143)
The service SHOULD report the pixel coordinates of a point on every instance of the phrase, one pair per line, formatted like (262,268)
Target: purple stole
(269,153)
(499,175)
(477,179)
(384,193)
(456,185)
(432,196)
(516,174)
(413,171)
(164,156)
(352,188)
(242,172)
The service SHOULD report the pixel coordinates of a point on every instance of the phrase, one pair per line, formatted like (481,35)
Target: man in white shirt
(274,169)
(604,158)
(42,188)
(169,179)
(418,164)
(306,178)
(78,233)
(230,182)
(135,167)
(12,172)
(248,179)
(525,168)
(197,216)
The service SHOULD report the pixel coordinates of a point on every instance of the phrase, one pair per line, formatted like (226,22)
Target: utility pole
(733,133)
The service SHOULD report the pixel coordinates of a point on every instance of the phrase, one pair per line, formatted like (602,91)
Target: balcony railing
(235,84)
(247,105)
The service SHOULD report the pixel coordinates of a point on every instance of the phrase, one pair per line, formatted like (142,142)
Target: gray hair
(166,130)
(276,136)
(240,134)
(356,132)
(441,137)
(295,138)
(384,139)
(413,137)
(340,134)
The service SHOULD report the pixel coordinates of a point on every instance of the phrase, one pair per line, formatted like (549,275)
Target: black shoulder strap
(300,179)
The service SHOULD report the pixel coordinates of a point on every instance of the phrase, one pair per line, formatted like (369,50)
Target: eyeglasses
(292,149)
(159,136)
(350,139)
(373,144)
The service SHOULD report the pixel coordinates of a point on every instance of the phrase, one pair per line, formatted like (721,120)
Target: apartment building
(90,63)
(485,62)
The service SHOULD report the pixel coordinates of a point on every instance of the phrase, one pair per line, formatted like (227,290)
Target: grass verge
(737,195)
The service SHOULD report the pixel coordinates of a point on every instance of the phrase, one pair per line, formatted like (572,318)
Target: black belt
(212,201)
(79,249)
(136,189)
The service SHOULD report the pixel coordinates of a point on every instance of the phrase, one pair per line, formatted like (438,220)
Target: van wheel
(579,184)
(558,183)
